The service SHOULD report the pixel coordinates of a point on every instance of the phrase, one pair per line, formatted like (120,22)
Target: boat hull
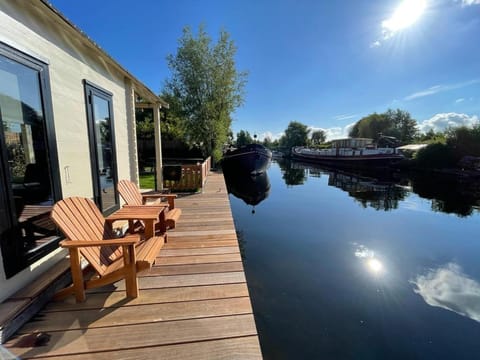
(252,159)
(357,161)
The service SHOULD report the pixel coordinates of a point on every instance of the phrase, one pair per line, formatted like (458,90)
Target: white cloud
(441,88)
(470,2)
(440,122)
(336,132)
(375,44)
(345,116)
(448,288)
(459,100)
(270,135)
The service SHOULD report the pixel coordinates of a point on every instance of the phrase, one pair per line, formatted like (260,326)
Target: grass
(147,181)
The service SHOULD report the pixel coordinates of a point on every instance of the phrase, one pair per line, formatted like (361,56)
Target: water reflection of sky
(332,279)
(371,261)
(449,288)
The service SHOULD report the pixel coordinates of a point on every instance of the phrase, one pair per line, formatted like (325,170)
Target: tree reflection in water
(384,189)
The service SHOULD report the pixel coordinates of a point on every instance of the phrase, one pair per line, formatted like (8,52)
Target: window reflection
(28,193)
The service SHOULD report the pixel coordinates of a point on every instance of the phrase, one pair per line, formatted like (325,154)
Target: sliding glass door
(29,181)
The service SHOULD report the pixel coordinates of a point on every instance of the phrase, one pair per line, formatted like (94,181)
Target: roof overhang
(73,30)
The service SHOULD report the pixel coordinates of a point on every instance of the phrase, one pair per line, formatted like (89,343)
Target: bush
(435,156)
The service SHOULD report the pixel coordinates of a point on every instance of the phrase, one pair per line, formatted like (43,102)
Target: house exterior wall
(35,30)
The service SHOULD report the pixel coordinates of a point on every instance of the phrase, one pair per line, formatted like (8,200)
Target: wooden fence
(193,177)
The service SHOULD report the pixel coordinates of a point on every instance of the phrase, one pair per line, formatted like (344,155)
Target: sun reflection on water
(372,263)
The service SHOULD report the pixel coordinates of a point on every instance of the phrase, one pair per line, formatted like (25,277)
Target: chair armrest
(130,240)
(152,196)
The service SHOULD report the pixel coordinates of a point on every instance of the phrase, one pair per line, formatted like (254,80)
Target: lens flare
(374,265)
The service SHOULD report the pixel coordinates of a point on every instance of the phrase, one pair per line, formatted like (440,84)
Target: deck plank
(66,342)
(243,348)
(194,302)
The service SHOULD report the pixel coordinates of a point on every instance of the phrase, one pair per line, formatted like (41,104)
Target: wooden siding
(193,304)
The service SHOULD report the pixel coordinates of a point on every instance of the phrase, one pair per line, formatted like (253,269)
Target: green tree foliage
(397,123)
(464,141)
(144,122)
(207,88)
(435,156)
(403,126)
(267,142)
(371,126)
(296,134)
(318,137)
(243,138)
(431,137)
(172,124)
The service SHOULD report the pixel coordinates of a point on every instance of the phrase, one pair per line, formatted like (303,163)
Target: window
(28,161)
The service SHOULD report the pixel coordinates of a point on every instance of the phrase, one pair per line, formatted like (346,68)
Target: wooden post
(158,146)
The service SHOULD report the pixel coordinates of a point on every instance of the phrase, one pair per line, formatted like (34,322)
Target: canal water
(370,266)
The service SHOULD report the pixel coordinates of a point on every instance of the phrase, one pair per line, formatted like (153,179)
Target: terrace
(194,302)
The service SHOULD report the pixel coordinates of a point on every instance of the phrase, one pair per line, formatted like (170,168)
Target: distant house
(67,111)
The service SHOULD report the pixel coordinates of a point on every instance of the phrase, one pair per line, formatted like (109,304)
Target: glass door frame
(7,207)
(92,90)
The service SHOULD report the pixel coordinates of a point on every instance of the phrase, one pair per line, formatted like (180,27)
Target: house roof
(140,88)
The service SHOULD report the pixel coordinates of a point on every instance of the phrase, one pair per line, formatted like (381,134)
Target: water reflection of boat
(373,188)
(251,158)
(383,188)
(252,189)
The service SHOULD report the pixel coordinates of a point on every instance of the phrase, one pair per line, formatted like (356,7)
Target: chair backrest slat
(80,219)
(130,192)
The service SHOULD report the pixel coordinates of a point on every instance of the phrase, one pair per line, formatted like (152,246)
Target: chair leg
(77,275)
(131,281)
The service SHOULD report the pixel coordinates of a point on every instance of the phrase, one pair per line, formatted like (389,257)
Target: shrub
(435,156)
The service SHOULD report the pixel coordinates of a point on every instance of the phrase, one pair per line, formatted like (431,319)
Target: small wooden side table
(150,215)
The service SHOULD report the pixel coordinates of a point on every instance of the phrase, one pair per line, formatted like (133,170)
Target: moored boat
(353,152)
(251,158)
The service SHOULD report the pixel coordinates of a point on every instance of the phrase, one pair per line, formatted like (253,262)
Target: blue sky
(324,63)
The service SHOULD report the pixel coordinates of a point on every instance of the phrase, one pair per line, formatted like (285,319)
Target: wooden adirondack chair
(113,259)
(132,196)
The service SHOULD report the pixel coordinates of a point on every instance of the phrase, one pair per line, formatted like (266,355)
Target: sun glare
(406,14)
(374,265)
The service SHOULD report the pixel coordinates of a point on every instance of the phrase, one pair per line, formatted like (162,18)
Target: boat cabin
(353,143)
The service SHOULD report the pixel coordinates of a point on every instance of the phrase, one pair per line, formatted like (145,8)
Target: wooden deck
(193,304)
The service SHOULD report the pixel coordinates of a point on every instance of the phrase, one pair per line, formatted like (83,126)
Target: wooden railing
(192,178)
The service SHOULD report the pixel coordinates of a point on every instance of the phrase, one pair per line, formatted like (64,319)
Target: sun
(406,14)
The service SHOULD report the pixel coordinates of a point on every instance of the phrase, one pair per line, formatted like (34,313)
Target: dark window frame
(6,195)
(91,89)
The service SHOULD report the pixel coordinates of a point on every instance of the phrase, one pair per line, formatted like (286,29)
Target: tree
(397,123)
(267,142)
(464,140)
(243,138)
(404,127)
(296,134)
(371,126)
(318,137)
(207,87)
